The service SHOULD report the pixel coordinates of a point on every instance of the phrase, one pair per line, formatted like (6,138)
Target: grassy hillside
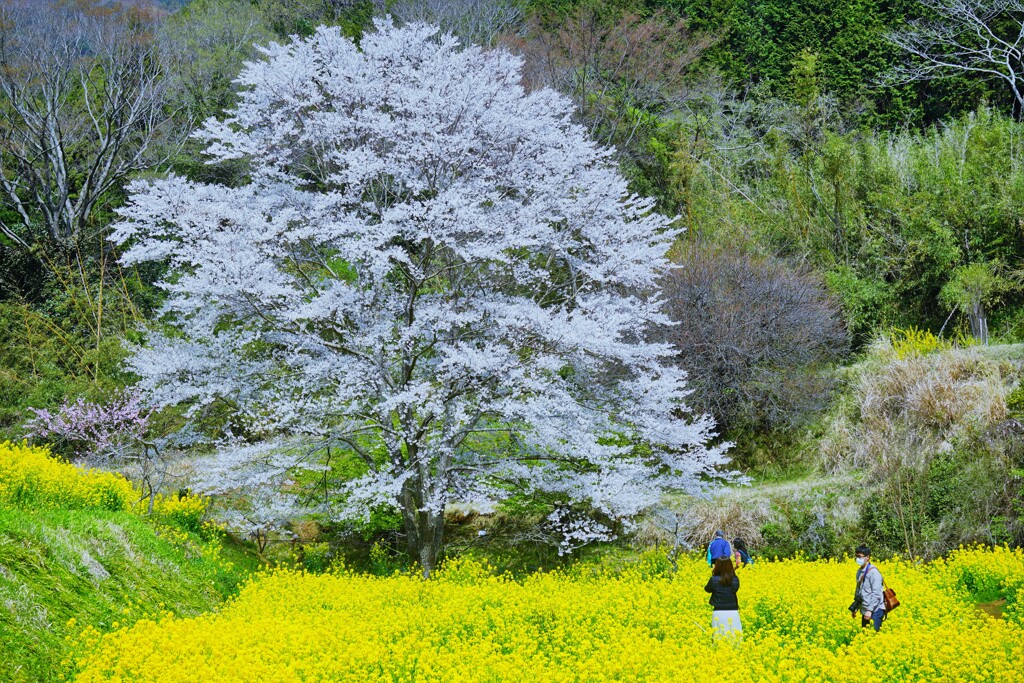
(64,569)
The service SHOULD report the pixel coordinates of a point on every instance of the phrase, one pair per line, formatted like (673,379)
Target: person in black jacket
(723,585)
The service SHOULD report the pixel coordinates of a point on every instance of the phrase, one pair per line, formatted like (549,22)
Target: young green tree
(971,290)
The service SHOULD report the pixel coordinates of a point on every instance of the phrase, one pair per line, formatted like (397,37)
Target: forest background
(851,302)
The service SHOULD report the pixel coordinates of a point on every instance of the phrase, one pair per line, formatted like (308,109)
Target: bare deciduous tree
(619,68)
(752,333)
(82,106)
(981,37)
(473,21)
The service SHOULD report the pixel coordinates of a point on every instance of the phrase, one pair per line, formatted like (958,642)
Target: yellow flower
(585,624)
(33,479)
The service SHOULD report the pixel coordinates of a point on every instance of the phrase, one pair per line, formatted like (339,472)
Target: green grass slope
(92,566)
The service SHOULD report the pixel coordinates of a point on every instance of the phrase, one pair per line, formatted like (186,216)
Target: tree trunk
(431,536)
(979,322)
(424,529)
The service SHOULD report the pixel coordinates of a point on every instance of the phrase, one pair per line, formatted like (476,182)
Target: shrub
(754,334)
(914,342)
(1015,401)
(317,557)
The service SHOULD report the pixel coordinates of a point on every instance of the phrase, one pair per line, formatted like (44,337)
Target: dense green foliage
(888,217)
(761,44)
(762,41)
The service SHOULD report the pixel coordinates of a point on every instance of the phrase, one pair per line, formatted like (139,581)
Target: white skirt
(726,622)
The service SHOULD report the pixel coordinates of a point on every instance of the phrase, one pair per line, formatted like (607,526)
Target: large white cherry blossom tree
(429,267)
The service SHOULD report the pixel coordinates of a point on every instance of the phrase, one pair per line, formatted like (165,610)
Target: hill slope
(72,548)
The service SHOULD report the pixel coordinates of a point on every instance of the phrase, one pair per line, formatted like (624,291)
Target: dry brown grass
(692,523)
(905,410)
(306,530)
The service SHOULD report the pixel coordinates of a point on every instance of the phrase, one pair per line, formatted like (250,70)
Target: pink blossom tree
(111,434)
(431,268)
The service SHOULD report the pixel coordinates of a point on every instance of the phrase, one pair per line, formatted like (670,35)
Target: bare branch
(982,37)
(83,105)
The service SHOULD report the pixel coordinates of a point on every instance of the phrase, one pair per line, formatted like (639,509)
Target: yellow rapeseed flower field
(33,479)
(641,623)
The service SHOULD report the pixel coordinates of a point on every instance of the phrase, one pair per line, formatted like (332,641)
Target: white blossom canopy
(429,265)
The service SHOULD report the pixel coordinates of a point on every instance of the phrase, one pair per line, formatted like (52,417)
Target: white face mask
(861,561)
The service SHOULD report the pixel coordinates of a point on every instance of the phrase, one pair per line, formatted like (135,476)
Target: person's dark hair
(740,544)
(862,550)
(724,571)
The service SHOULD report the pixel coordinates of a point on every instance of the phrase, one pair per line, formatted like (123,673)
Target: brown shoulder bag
(889,598)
